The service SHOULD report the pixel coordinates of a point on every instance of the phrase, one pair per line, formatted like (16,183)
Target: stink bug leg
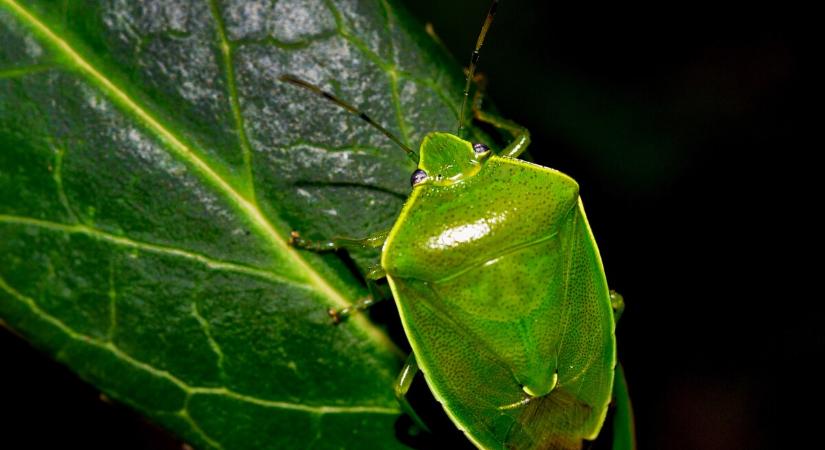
(624,427)
(521,135)
(375,273)
(402,386)
(375,240)
(617,303)
(624,433)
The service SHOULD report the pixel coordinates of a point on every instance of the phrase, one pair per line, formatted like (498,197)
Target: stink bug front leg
(372,241)
(521,135)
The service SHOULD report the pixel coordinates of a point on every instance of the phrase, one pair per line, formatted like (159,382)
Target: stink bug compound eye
(418,177)
(500,288)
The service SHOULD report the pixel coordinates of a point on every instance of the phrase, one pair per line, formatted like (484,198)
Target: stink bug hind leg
(402,386)
(624,427)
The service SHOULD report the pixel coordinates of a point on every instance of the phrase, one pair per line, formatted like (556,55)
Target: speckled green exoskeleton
(500,289)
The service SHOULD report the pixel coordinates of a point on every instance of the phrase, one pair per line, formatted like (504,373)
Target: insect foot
(338,315)
(335,315)
(295,240)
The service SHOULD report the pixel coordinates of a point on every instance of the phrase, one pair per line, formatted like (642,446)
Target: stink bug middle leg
(375,240)
(373,274)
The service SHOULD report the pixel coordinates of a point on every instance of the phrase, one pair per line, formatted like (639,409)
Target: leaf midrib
(183,151)
(125,241)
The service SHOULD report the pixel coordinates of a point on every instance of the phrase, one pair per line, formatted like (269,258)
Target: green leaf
(151,168)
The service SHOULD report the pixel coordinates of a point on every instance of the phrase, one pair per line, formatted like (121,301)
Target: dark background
(683,126)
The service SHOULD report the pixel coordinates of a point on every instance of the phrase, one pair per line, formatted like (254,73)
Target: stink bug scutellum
(500,289)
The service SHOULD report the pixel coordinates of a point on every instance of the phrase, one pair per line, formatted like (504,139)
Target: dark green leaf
(151,168)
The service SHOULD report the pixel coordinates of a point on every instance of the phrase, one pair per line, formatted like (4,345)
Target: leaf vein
(189,389)
(283,45)
(177,146)
(388,68)
(21,71)
(60,152)
(214,264)
(112,293)
(184,414)
(213,344)
(313,409)
(393,75)
(234,101)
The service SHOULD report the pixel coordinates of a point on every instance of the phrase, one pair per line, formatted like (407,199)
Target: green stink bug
(500,288)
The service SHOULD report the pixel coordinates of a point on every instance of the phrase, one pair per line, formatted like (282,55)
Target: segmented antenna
(361,115)
(474,61)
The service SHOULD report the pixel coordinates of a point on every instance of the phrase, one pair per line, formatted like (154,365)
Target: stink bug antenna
(361,115)
(474,61)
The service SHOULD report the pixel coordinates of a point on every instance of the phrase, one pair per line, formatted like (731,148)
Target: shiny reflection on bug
(464,233)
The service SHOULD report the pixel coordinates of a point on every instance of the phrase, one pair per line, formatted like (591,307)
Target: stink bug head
(447,159)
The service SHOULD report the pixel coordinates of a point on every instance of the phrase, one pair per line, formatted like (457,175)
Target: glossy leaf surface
(151,167)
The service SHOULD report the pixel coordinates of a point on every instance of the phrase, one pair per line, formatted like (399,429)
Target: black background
(682,124)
